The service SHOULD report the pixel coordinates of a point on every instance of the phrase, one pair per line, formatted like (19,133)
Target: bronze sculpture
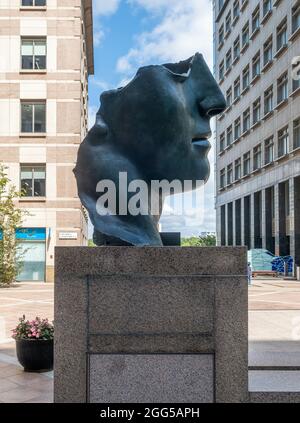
(155,128)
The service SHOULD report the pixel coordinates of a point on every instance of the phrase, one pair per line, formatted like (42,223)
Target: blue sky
(133,33)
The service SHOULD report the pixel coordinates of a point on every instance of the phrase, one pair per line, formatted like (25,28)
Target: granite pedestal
(151,324)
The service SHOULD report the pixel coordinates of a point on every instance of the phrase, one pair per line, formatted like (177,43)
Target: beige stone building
(257,58)
(46,55)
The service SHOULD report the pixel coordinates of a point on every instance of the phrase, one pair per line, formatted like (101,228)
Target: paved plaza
(274,338)
(31,299)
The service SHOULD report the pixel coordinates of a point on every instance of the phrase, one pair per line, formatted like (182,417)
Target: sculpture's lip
(201,142)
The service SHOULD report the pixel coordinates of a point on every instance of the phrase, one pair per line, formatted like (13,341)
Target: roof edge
(88,22)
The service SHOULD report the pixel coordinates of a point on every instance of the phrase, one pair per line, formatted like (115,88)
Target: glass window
(221,35)
(228,23)
(267,6)
(237,88)
(33,53)
(282,88)
(296,17)
(246,77)
(296,133)
(256,65)
(229,174)
(33,180)
(245,35)
(257,157)
(236,48)
(237,169)
(229,136)
(33,117)
(255,19)
(237,128)
(283,141)
(269,150)
(268,51)
(222,178)
(229,97)
(256,111)
(228,59)
(221,70)
(246,120)
(282,34)
(236,9)
(246,163)
(34,3)
(268,100)
(222,141)
(33,260)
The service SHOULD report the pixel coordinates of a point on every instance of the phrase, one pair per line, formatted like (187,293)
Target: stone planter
(35,355)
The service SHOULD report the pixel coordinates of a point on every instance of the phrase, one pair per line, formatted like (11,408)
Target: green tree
(10,219)
(199,241)
(91,243)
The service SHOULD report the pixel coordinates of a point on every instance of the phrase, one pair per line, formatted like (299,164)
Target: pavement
(274,338)
(31,299)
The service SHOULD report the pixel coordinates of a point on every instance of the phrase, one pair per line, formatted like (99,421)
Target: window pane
(40,54)
(33,261)
(26,173)
(39,188)
(40,62)
(26,118)
(27,47)
(26,181)
(39,173)
(39,118)
(40,48)
(27,62)
(40,2)
(27,54)
(27,2)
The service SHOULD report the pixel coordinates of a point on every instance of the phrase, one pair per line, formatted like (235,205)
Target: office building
(46,49)
(256,51)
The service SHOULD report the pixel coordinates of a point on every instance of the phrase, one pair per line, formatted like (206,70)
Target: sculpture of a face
(155,128)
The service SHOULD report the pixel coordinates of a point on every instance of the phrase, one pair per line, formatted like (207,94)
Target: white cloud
(98,35)
(102,8)
(185,27)
(105,7)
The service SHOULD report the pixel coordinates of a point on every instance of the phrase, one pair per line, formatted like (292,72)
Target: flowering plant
(39,328)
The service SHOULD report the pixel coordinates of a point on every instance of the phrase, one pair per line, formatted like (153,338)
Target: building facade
(257,49)
(46,49)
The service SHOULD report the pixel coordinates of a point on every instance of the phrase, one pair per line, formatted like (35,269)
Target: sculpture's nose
(212,105)
(211,101)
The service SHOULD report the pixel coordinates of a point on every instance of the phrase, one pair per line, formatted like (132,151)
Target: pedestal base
(151,324)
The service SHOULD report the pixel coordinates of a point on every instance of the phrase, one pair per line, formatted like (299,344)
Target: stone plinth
(151,324)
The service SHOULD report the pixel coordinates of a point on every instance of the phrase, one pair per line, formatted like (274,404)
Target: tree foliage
(199,241)
(10,219)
